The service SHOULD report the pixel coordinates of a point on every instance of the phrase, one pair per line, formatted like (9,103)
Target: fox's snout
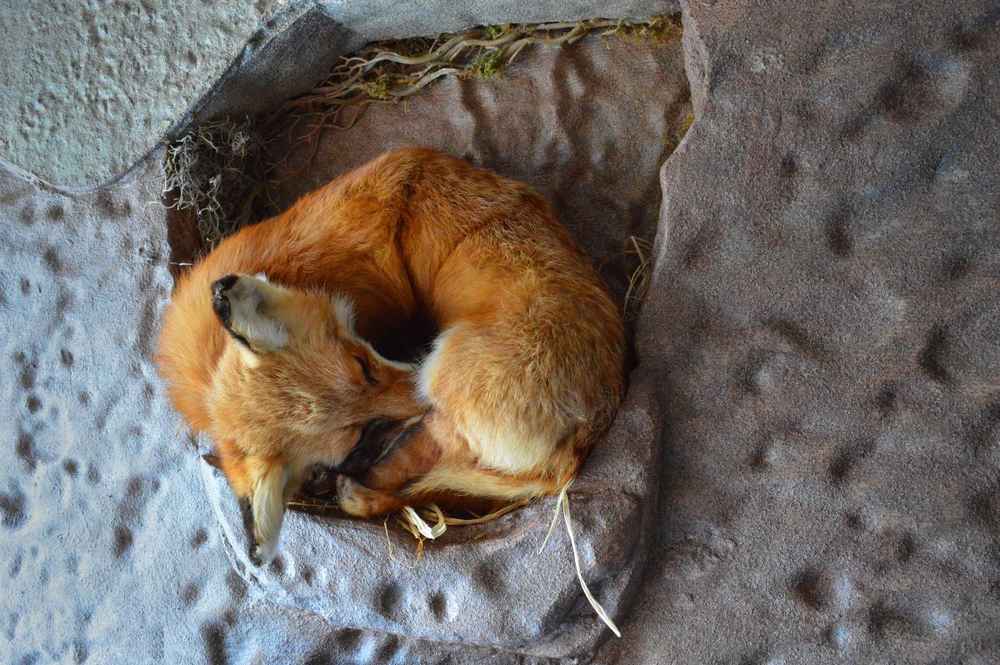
(242,303)
(220,298)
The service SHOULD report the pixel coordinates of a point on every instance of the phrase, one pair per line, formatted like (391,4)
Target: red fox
(266,344)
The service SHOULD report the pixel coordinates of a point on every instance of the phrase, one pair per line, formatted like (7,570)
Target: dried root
(638,282)
(388,72)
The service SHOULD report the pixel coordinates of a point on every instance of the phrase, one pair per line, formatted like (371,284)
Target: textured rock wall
(279,66)
(135,536)
(108,551)
(825,329)
(90,87)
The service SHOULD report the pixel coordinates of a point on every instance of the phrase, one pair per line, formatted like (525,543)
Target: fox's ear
(267,503)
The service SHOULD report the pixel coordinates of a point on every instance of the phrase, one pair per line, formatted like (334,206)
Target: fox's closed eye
(366,369)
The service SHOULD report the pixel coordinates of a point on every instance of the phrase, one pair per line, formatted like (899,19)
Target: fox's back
(416,230)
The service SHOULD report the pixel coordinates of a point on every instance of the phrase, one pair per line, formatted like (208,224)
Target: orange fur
(527,370)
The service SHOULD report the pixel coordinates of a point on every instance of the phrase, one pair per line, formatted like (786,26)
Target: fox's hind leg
(436,465)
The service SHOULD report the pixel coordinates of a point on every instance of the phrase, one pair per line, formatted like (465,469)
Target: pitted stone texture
(831,489)
(823,319)
(108,551)
(91,86)
(96,493)
(487,585)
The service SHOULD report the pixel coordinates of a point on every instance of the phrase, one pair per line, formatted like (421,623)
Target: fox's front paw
(357,500)
(351,497)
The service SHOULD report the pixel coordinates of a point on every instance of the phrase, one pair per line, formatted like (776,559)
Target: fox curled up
(267,344)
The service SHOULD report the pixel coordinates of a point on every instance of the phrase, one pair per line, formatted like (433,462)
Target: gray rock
(101,84)
(286,62)
(146,544)
(91,87)
(818,353)
(824,322)
(108,550)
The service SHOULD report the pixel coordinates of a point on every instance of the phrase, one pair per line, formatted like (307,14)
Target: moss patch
(659,30)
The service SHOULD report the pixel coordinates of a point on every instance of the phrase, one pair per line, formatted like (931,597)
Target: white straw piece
(555,515)
(579,573)
(425,529)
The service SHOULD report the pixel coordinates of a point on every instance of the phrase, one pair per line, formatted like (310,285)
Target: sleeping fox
(267,344)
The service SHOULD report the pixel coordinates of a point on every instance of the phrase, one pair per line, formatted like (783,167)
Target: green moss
(685,125)
(377,72)
(488,64)
(496,31)
(658,29)
(377,88)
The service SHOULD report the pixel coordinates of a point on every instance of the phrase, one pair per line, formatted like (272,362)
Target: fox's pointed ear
(267,503)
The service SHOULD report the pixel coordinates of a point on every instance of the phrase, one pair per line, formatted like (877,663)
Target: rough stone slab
(487,585)
(90,87)
(830,489)
(386,19)
(825,328)
(97,504)
(296,58)
(108,551)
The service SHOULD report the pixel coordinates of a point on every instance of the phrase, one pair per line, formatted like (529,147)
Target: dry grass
(638,283)
(658,29)
(685,126)
(217,172)
(426,523)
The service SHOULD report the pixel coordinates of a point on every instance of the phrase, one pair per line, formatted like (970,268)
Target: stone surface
(143,504)
(109,552)
(288,61)
(823,327)
(384,19)
(820,344)
(487,585)
(90,87)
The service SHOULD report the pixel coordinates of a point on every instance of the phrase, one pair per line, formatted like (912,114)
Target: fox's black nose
(220,303)
(220,286)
